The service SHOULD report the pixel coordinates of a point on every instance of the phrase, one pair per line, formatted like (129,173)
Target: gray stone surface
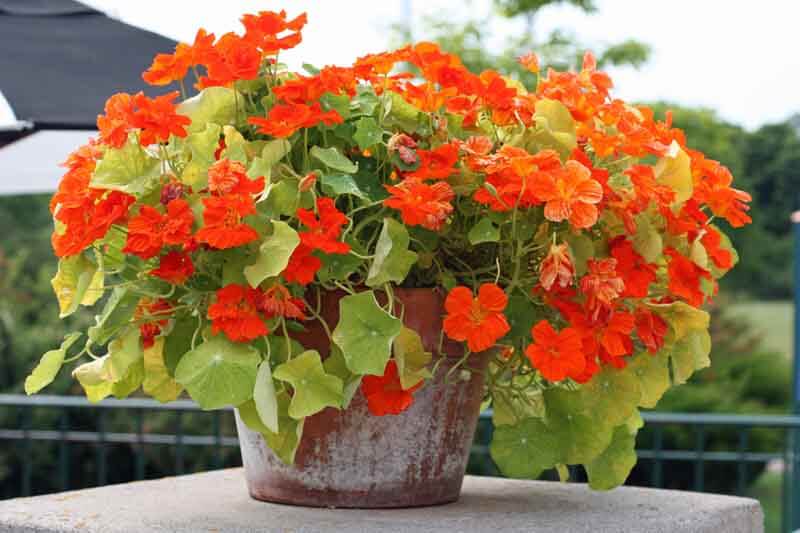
(218,501)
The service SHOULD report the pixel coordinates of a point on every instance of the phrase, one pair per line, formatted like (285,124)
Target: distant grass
(772,319)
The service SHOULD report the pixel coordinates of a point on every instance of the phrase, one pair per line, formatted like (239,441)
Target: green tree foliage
(561,49)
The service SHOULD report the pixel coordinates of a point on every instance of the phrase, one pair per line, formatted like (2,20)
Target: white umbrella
(31,165)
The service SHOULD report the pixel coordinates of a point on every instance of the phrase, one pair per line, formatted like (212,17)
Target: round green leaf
(333,158)
(313,388)
(610,469)
(653,374)
(690,354)
(613,394)
(524,449)
(365,333)
(581,434)
(273,254)
(483,231)
(393,259)
(368,133)
(46,371)
(264,397)
(219,373)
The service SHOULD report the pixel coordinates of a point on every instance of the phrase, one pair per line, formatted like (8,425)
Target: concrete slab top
(218,502)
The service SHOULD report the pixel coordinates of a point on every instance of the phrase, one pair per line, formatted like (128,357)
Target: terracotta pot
(351,458)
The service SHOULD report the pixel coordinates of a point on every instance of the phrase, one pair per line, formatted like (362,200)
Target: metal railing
(221,442)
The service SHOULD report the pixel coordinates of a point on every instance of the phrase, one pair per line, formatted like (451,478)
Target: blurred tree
(561,49)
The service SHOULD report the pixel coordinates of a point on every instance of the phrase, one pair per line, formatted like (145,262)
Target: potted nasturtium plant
(358,259)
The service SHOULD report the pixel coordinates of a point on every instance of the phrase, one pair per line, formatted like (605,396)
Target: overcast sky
(740,58)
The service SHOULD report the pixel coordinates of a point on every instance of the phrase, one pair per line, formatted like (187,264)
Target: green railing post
(794,438)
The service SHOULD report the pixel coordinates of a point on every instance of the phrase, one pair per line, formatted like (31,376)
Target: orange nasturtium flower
(557,268)
(569,194)
(230,177)
(385,394)
(223,221)
(285,119)
(478,321)
(684,278)
(436,164)
(556,355)
(150,230)
(303,266)
(174,267)
(421,204)
(602,284)
(530,61)
(323,232)
(235,313)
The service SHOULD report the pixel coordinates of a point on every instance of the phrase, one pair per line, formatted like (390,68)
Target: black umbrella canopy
(60,60)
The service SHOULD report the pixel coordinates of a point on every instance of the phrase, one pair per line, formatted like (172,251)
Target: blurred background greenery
(751,319)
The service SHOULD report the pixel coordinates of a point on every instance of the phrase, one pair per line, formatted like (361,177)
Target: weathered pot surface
(351,458)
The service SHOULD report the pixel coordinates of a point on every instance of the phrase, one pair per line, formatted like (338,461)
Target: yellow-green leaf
(219,372)
(157,381)
(411,357)
(77,282)
(365,333)
(273,253)
(674,170)
(313,388)
(47,369)
(211,105)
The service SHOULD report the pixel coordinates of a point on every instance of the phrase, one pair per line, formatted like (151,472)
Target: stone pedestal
(218,502)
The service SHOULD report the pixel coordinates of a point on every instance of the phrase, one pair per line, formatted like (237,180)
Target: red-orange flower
(150,230)
(115,124)
(285,119)
(223,216)
(230,177)
(651,329)
(421,204)
(155,315)
(569,194)
(174,267)
(263,30)
(631,267)
(684,278)
(557,268)
(235,313)
(167,68)
(303,266)
(233,58)
(712,242)
(602,284)
(556,355)
(478,321)
(616,337)
(157,118)
(385,394)
(530,61)
(323,232)
(436,164)
(278,301)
